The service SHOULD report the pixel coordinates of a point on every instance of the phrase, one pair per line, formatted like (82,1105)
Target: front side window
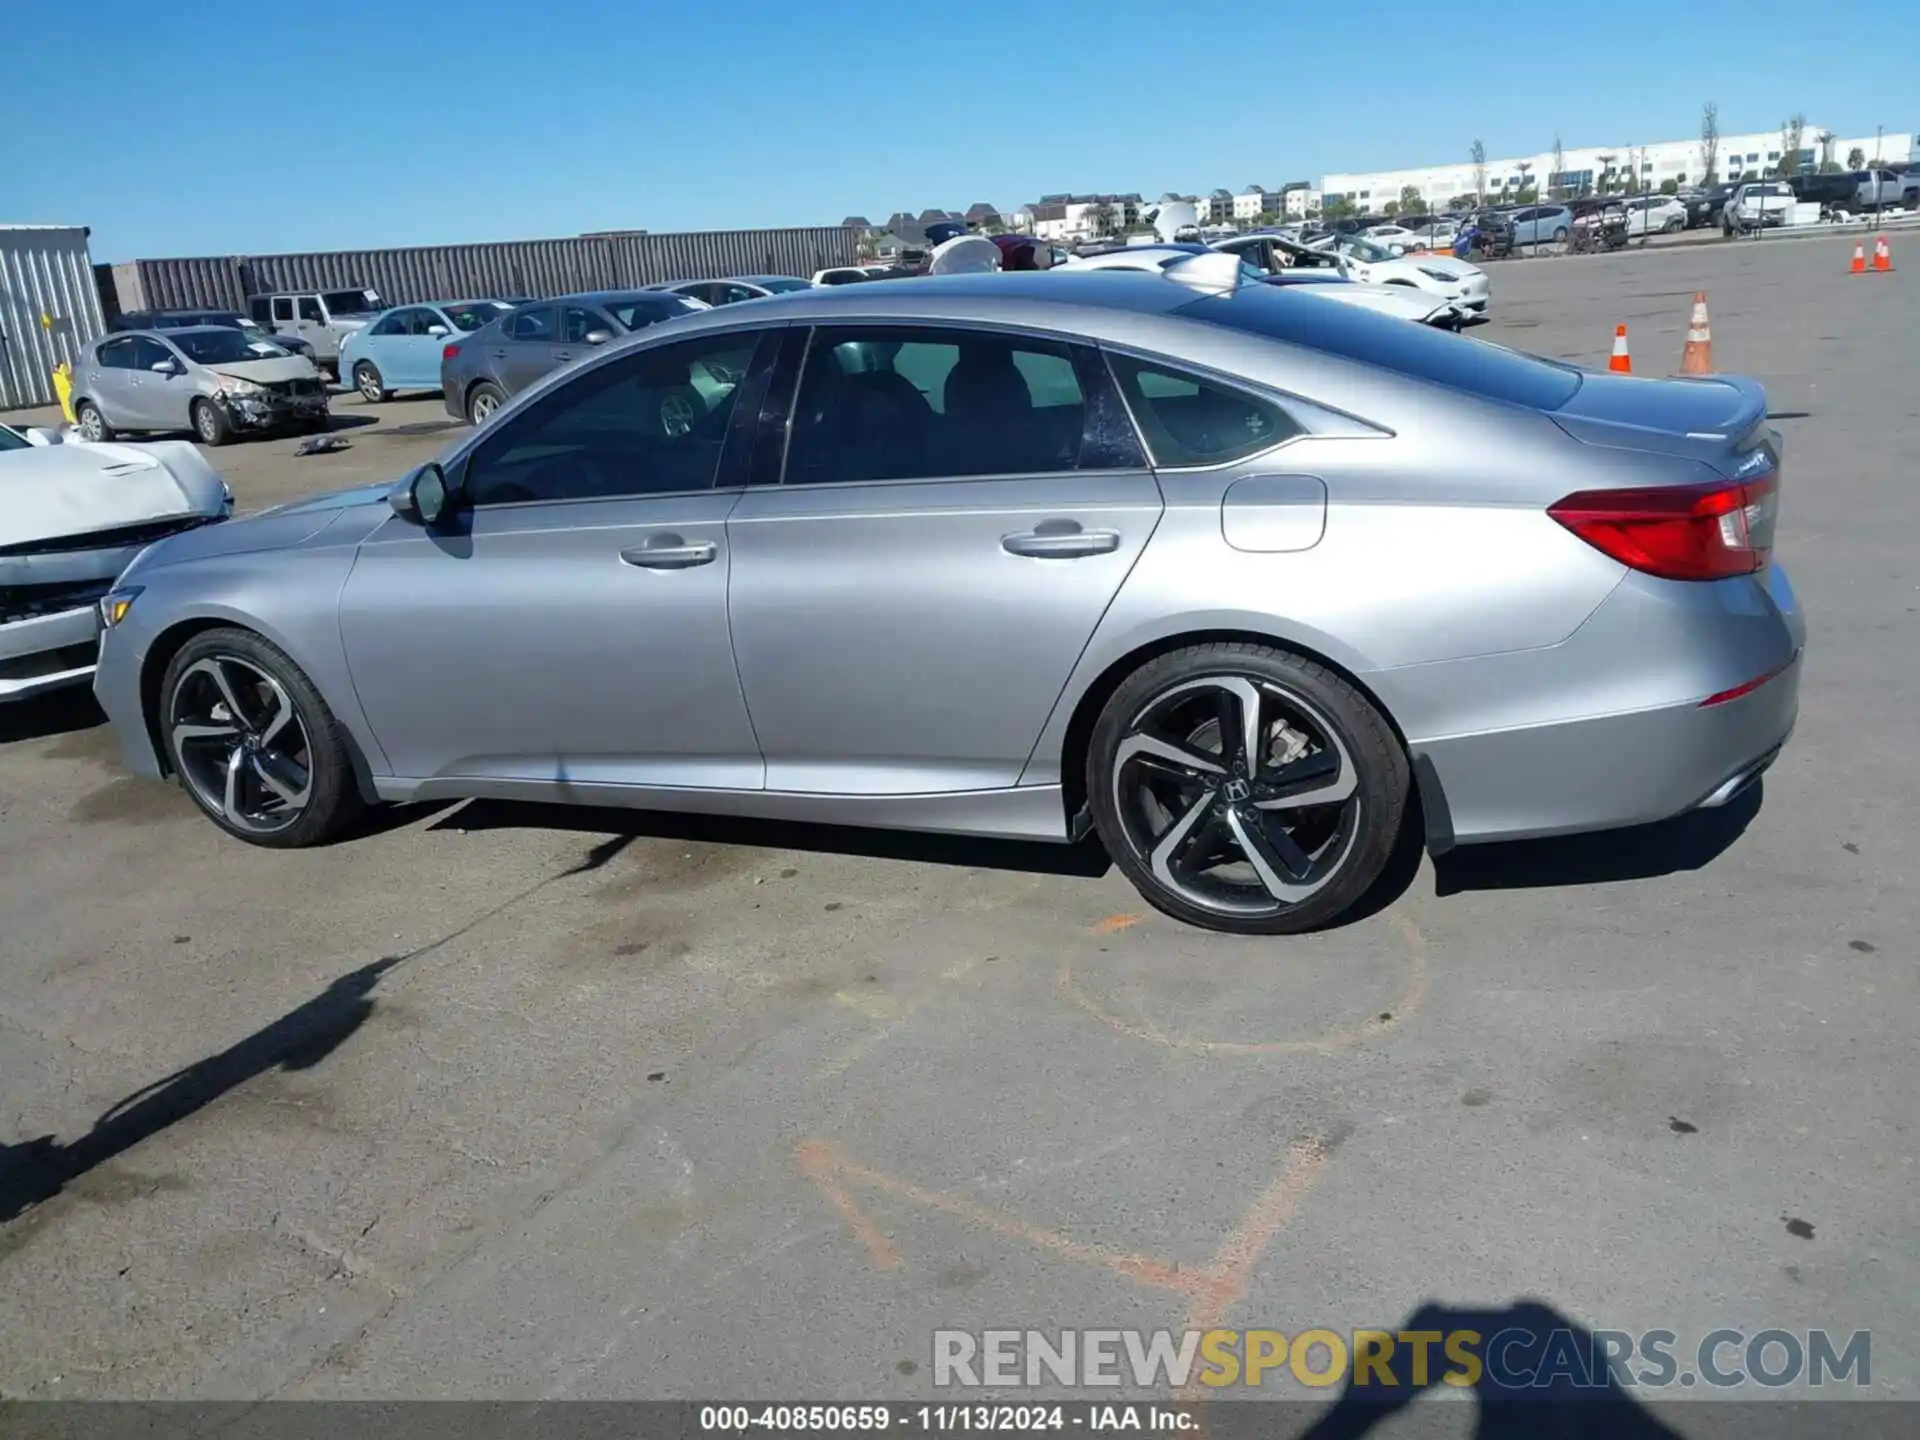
(576,324)
(533,325)
(115,355)
(310,310)
(394,324)
(896,403)
(652,423)
(1188,420)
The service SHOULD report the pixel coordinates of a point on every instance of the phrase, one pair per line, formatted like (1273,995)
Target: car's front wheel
(210,423)
(253,743)
(1244,788)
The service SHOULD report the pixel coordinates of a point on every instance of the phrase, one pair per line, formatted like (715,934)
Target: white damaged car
(1397,301)
(1372,263)
(72,516)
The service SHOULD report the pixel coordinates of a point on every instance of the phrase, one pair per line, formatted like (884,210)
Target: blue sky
(217,126)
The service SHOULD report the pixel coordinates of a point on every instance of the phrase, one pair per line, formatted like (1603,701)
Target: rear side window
(1188,420)
(282,308)
(1421,352)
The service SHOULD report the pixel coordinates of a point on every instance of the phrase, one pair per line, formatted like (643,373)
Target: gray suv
(322,318)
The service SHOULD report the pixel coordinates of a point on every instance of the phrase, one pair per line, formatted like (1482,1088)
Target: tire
(91,424)
(271,807)
(1673,227)
(1173,832)
(210,424)
(1560,236)
(483,400)
(366,379)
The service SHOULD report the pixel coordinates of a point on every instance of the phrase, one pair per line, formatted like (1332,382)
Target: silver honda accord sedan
(1217,574)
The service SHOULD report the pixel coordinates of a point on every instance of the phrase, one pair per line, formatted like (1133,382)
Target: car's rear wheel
(482,401)
(91,424)
(366,379)
(1244,788)
(253,743)
(1560,235)
(210,426)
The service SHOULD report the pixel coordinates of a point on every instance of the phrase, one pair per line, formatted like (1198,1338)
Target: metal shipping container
(49,308)
(506,268)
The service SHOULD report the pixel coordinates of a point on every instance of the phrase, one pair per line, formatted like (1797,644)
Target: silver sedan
(1216,573)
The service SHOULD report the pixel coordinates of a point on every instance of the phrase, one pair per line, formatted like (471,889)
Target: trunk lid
(1717,419)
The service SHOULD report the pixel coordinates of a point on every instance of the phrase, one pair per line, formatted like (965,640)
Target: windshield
(214,347)
(1361,248)
(780,287)
(1421,352)
(639,311)
(352,302)
(469,318)
(11,441)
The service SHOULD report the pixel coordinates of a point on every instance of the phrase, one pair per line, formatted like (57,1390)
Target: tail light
(447,352)
(1680,532)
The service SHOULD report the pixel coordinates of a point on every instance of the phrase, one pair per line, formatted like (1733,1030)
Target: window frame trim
(1073,344)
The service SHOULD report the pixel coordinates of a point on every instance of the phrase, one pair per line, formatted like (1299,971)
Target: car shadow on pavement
(1667,847)
(37,1170)
(59,712)
(1033,857)
(1534,1372)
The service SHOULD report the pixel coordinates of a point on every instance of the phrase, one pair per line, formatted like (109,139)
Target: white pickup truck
(1759,203)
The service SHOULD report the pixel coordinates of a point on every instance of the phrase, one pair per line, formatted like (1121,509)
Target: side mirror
(423,496)
(599,337)
(164,367)
(437,331)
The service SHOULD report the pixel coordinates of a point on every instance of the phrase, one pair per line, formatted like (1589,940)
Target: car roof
(601,297)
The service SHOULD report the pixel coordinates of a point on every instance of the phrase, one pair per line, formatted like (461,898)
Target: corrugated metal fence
(49,308)
(513,267)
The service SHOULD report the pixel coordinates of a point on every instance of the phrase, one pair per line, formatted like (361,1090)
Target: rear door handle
(670,552)
(1061,540)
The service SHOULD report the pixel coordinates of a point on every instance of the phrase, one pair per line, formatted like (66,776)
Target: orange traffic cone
(1697,358)
(1859,266)
(1882,256)
(1621,361)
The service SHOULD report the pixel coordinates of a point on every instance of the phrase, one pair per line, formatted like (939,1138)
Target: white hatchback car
(1656,215)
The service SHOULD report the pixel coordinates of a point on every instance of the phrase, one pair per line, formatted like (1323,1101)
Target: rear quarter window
(1421,352)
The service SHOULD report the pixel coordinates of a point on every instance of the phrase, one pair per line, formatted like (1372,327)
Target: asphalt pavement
(500,1102)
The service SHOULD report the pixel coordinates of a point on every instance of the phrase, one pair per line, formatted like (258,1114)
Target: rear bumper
(1664,652)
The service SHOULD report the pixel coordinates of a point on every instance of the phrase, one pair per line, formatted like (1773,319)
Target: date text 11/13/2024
(940,1419)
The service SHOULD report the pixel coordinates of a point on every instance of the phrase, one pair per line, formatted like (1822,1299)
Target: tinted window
(351,302)
(310,309)
(1459,362)
(576,324)
(892,403)
(149,353)
(531,325)
(643,310)
(282,308)
(468,318)
(261,308)
(651,423)
(782,286)
(116,354)
(1188,420)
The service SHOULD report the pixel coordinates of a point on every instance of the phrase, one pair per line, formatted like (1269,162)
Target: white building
(1302,204)
(1582,169)
(1081,217)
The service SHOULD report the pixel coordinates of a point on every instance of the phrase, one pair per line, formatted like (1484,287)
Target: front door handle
(1061,540)
(670,552)
(563,355)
